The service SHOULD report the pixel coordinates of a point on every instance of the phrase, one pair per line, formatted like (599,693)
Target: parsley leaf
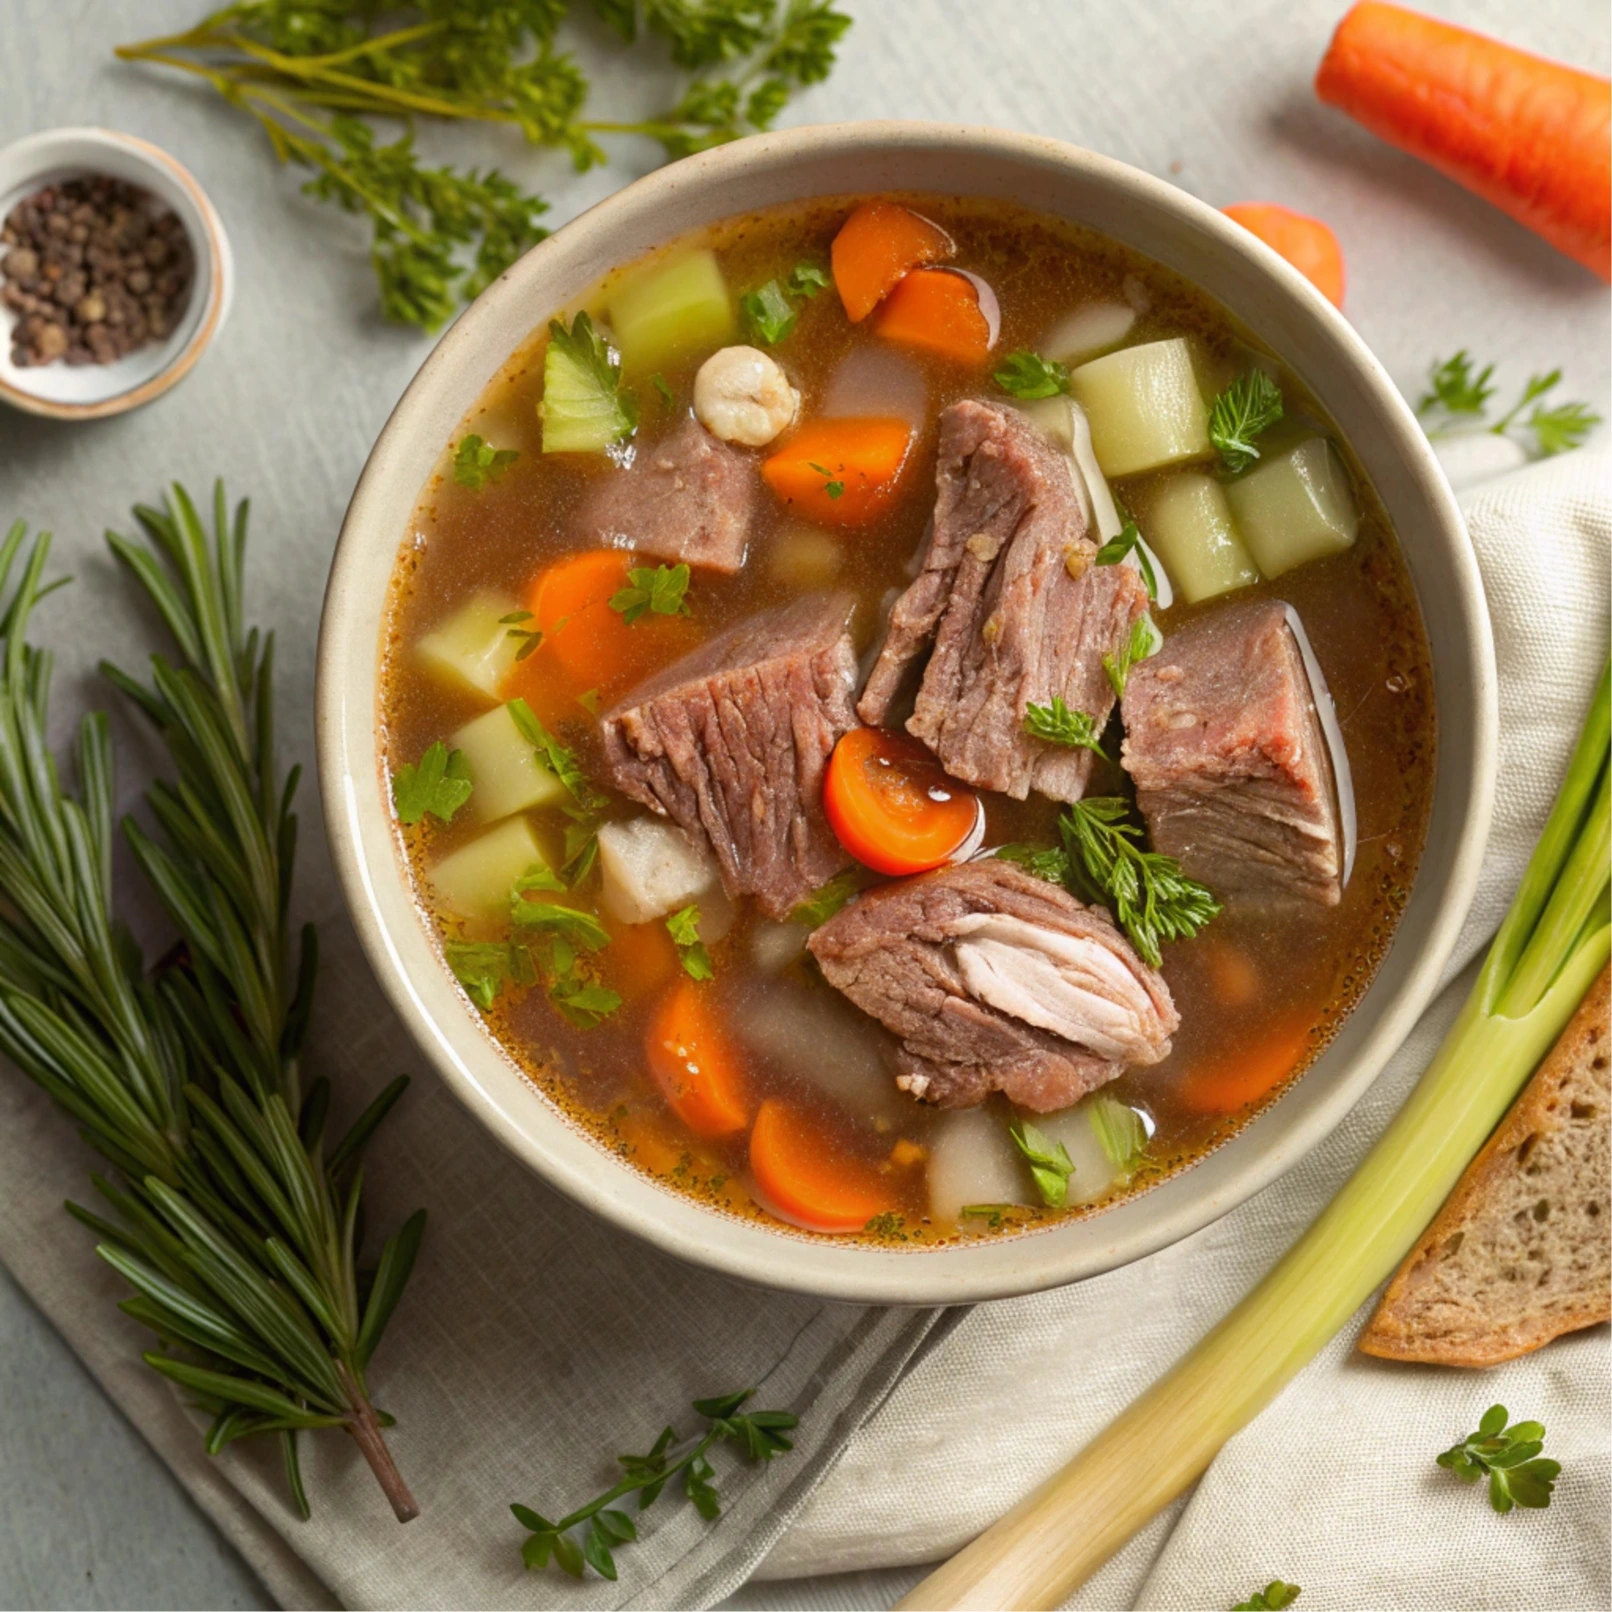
(582,1002)
(1049,862)
(1455,389)
(560,759)
(991,1213)
(1563,427)
(579,928)
(475,462)
(684,928)
(1250,405)
(827,899)
(485,967)
(1049,1161)
(439,784)
(1057,724)
(1121,1132)
(1509,1458)
(1144,641)
(658,381)
(807,279)
(833,487)
(1028,375)
(769,315)
(663,590)
(1152,900)
(1272,1598)
(1127,541)
(529,637)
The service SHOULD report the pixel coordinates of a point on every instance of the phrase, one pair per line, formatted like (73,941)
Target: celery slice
(584,409)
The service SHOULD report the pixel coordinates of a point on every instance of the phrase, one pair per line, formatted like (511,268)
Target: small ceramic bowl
(1154,218)
(93,391)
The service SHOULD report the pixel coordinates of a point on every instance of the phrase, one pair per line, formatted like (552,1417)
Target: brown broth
(1269,984)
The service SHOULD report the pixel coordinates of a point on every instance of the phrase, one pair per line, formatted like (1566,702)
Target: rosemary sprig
(236,1230)
(311,72)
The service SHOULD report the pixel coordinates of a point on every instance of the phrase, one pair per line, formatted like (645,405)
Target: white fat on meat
(1069,985)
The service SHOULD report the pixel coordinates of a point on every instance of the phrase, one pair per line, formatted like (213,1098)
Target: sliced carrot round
(1242,1075)
(842,472)
(1306,243)
(802,1173)
(938,310)
(878,244)
(696,1066)
(891,804)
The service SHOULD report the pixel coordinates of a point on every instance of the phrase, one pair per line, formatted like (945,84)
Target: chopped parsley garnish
(658,381)
(769,315)
(807,279)
(1144,641)
(1049,1161)
(1129,541)
(684,928)
(579,928)
(1251,405)
(476,462)
(529,637)
(1028,375)
(661,590)
(1049,862)
(1058,724)
(558,758)
(485,967)
(439,783)
(827,899)
(833,487)
(1509,1458)
(991,1213)
(1454,388)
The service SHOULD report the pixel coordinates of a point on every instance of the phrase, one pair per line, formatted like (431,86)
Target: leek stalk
(1546,955)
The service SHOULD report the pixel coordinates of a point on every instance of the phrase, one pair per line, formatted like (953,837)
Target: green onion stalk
(1546,955)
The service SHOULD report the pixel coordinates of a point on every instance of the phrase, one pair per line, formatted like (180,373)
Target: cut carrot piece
(939,311)
(1231,971)
(891,804)
(1534,137)
(1305,242)
(804,1176)
(1235,1079)
(695,1065)
(639,959)
(843,472)
(878,244)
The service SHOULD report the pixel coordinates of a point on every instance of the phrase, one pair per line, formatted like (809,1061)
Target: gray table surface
(88,1516)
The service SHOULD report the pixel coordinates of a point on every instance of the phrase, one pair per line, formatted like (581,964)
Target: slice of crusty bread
(1521,1252)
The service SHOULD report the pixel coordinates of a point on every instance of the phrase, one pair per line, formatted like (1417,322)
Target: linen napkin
(1334,1486)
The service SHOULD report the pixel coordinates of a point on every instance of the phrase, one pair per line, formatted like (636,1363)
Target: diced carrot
(1532,136)
(587,645)
(1242,1075)
(697,1068)
(891,804)
(802,1174)
(639,959)
(1305,242)
(879,243)
(939,311)
(842,472)
(1231,970)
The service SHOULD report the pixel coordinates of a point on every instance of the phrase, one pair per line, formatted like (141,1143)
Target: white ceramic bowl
(94,391)
(1259,288)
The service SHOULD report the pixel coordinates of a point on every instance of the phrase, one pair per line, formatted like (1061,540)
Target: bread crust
(1400,1328)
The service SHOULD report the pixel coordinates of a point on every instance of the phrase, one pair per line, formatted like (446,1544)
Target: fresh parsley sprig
(317,74)
(1144,641)
(439,783)
(1458,396)
(684,928)
(1152,900)
(769,316)
(477,462)
(1028,376)
(1250,406)
(590,1536)
(1049,1161)
(661,591)
(1509,1457)
(1272,1598)
(1058,724)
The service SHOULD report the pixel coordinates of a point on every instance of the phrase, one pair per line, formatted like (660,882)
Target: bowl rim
(393,935)
(41,153)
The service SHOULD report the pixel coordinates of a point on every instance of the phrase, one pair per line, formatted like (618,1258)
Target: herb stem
(365,1428)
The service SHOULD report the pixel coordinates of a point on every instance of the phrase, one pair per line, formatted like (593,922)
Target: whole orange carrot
(1532,136)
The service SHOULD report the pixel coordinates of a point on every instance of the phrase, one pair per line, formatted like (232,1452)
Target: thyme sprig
(315,74)
(230,1218)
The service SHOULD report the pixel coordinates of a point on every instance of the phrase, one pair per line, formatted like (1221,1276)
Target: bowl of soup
(905,713)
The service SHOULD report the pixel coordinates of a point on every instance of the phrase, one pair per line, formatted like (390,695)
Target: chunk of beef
(1014,608)
(731,741)
(995,980)
(689,497)
(1232,769)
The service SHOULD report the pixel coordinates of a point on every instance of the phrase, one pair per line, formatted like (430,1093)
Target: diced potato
(1094,1175)
(1088,331)
(649,869)
(1144,406)
(1188,522)
(478,880)
(805,558)
(504,770)
(972,1159)
(672,309)
(473,649)
(774,946)
(1295,507)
